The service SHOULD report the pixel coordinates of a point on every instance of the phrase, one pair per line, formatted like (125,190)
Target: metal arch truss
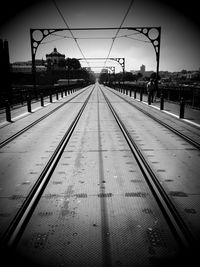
(152,33)
(111,68)
(120,60)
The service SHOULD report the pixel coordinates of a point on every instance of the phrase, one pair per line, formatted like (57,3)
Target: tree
(73,63)
(154,75)
(128,76)
(62,63)
(139,75)
(184,71)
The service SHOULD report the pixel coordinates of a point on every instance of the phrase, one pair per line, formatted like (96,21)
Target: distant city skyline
(180,38)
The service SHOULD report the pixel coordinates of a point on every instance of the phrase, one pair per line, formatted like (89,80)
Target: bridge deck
(97,209)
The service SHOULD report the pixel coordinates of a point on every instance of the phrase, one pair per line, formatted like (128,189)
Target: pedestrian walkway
(191,115)
(20,111)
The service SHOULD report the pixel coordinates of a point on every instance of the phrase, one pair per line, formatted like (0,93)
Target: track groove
(175,221)
(17,226)
(178,133)
(11,138)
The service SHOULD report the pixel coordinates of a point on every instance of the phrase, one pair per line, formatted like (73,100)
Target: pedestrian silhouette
(150,90)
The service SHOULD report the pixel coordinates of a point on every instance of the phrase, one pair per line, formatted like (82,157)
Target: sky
(180,32)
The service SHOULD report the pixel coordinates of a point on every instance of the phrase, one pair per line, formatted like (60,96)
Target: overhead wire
(95,38)
(78,38)
(114,38)
(91,38)
(75,39)
(144,41)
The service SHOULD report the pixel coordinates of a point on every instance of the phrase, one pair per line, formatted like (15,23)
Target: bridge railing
(26,95)
(190,94)
(22,92)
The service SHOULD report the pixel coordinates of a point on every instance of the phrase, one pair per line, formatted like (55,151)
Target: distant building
(148,73)
(55,60)
(104,70)
(87,69)
(26,68)
(142,70)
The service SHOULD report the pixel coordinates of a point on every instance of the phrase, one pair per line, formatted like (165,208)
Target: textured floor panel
(97,209)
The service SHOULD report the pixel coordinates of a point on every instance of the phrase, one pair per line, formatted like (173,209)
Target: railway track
(182,234)
(172,129)
(17,134)
(18,224)
(176,222)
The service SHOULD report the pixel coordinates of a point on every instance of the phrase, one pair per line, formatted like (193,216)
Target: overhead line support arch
(44,32)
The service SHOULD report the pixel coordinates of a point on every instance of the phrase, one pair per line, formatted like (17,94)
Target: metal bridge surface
(99,182)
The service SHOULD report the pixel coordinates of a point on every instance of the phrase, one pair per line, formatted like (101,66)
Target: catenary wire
(114,38)
(91,38)
(75,39)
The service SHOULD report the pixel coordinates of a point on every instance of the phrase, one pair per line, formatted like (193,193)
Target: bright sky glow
(180,39)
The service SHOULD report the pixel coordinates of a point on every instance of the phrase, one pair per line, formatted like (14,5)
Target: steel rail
(11,138)
(183,136)
(177,225)
(16,228)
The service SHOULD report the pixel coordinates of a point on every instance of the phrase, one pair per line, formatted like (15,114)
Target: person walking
(150,91)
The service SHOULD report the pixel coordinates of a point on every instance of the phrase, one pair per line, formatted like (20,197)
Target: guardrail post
(141,94)
(182,108)
(135,93)
(21,97)
(50,97)
(56,94)
(161,101)
(149,98)
(42,99)
(29,104)
(8,112)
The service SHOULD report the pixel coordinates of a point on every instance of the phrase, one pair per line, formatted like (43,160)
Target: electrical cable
(92,38)
(144,41)
(113,39)
(75,39)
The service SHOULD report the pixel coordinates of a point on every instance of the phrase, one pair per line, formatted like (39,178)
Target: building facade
(55,60)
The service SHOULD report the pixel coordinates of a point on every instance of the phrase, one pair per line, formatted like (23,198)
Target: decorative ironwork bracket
(120,60)
(112,68)
(152,33)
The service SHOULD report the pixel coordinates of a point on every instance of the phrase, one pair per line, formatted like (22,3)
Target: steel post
(135,93)
(8,112)
(182,108)
(50,97)
(42,99)
(161,102)
(29,104)
(141,94)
